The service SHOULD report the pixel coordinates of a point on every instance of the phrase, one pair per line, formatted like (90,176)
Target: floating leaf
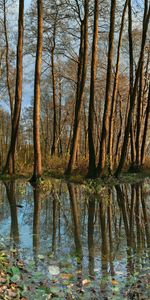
(41,257)
(86,281)
(53,270)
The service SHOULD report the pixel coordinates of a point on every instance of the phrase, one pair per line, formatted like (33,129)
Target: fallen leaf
(2,280)
(66,276)
(12,293)
(86,281)
(114,282)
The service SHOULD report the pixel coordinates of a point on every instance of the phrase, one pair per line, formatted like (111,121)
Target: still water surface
(99,238)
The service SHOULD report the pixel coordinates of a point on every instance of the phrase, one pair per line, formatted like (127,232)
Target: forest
(87,63)
(74,150)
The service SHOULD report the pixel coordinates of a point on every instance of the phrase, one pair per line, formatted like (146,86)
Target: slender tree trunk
(139,106)
(60,113)
(11,100)
(92,158)
(115,88)
(105,126)
(82,70)
(36,113)
(139,113)
(10,163)
(143,147)
(53,149)
(133,96)
(131,70)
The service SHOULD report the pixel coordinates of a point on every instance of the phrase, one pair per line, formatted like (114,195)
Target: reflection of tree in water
(77,231)
(55,218)
(36,222)
(91,220)
(104,227)
(134,214)
(10,191)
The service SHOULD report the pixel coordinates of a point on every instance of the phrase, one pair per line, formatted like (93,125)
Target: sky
(27,3)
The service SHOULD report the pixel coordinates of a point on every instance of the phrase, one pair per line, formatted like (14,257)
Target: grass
(55,168)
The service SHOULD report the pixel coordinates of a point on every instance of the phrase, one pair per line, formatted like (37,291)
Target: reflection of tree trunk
(77,232)
(36,222)
(109,211)
(10,190)
(137,215)
(104,248)
(54,221)
(91,213)
(121,202)
(76,221)
(146,221)
(131,220)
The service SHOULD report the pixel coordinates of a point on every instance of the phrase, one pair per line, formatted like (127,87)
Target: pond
(80,241)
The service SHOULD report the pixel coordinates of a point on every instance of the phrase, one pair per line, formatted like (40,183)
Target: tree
(11,99)
(133,96)
(10,163)
(107,107)
(114,93)
(81,78)
(92,158)
(37,172)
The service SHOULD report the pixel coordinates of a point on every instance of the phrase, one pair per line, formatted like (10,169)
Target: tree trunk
(145,130)
(82,70)
(53,149)
(131,71)
(10,163)
(60,152)
(115,88)
(36,113)
(105,126)
(11,100)
(133,96)
(92,158)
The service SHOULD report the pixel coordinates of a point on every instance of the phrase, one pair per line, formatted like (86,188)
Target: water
(94,242)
